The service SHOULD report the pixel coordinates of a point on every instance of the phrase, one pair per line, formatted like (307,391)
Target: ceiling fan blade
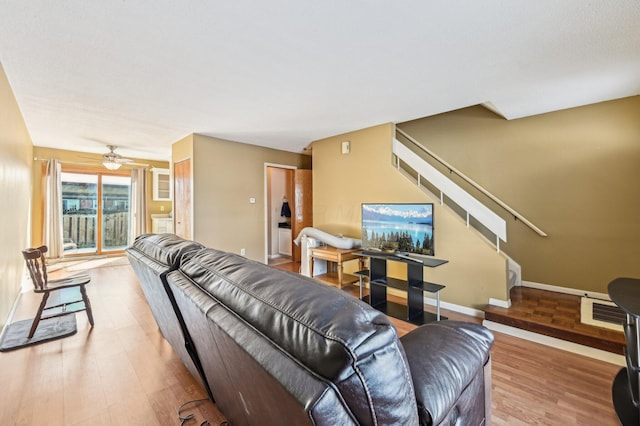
(115,158)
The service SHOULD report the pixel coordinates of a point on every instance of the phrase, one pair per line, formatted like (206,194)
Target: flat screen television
(398,227)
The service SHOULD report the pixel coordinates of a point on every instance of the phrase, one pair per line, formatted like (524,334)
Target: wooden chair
(38,271)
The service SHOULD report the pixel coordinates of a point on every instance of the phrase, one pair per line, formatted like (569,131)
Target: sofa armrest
(445,357)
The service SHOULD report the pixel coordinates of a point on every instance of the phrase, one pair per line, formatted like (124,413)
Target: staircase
(555,315)
(542,312)
(410,162)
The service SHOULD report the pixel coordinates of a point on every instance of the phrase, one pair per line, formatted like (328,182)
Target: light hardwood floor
(122,372)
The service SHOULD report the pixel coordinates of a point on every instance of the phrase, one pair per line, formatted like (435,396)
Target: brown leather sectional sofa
(274,347)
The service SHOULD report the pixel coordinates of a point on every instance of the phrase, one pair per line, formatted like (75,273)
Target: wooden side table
(337,257)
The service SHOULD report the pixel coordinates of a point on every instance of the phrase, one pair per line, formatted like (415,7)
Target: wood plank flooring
(122,372)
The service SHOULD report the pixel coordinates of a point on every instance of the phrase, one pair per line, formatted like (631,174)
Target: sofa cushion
(165,250)
(254,381)
(445,358)
(333,334)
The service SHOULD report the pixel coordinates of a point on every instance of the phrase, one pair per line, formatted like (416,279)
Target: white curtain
(53,237)
(138,211)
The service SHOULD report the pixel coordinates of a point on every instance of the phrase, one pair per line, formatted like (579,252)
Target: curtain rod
(47,159)
(62,161)
(97,164)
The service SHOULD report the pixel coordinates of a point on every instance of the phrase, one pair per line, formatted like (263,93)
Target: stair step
(555,315)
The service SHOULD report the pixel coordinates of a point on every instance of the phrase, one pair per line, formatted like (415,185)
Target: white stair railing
(475,185)
(473,208)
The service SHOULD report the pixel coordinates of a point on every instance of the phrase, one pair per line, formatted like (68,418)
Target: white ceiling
(141,74)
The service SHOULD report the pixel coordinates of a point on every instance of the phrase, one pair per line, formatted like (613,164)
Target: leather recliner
(279,348)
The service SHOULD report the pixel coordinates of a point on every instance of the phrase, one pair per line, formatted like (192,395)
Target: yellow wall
(225,176)
(182,149)
(16,154)
(574,173)
(342,182)
(73,160)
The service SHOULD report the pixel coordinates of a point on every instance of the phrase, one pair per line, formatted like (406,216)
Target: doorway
(279,210)
(95,212)
(293,186)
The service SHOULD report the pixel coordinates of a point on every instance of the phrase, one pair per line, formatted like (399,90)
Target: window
(95,212)
(116,194)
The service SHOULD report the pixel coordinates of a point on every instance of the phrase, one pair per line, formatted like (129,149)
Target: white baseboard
(12,312)
(566,290)
(501,303)
(53,261)
(431,301)
(455,308)
(557,343)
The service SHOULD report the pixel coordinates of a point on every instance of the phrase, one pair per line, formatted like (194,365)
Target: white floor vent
(601,313)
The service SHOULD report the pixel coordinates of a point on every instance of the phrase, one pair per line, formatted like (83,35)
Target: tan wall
(79,161)
(182,149)
(16,154)
(574,173)
(342,182)
(226,175)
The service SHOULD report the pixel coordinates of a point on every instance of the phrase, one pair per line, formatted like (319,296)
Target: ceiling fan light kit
(113,161)
(111,165)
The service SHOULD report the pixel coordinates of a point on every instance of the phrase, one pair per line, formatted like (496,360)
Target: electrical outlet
(243,252)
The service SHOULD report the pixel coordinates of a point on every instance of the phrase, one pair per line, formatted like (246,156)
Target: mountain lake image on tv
(406,228)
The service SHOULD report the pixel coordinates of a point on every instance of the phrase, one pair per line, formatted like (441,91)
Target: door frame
(99,172)
(267,206)
(178,210)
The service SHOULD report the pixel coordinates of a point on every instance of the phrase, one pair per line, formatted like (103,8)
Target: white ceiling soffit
(141,74)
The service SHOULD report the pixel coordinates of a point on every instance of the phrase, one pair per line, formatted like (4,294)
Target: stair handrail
(472,206)
(474,184)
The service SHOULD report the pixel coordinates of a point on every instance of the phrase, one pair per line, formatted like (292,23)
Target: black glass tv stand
(414,285)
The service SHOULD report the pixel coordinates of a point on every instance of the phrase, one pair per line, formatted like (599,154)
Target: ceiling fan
(113,161)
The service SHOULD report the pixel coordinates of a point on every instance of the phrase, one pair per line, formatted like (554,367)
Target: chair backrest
(36,266)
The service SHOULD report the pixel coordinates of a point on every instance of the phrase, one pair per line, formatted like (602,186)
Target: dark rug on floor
(15,336)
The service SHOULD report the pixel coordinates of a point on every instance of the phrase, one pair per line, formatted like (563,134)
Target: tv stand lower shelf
(414,286)
(399,311)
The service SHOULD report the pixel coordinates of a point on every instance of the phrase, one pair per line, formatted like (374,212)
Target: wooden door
(302,206)
(182,205)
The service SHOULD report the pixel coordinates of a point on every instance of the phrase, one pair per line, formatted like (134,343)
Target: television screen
(406,228)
